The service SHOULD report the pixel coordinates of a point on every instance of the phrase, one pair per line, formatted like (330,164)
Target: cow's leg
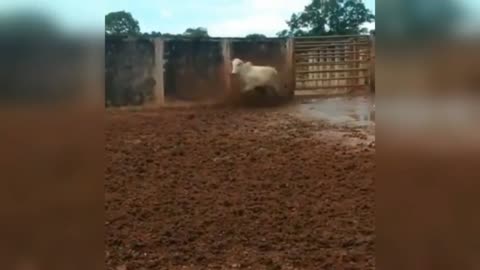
(272,89)
(271,92)
(248,88)
(278,88)
(261,90)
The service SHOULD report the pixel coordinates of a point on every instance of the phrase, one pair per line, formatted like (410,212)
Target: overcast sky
(220,17)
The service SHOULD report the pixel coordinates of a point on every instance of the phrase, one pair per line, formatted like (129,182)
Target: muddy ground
(223,188)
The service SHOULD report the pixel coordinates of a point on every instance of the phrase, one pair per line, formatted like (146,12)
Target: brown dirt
(205,188)
(255,99)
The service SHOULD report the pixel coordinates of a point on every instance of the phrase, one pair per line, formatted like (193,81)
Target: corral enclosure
(140,70)
(223,187)
(150,70)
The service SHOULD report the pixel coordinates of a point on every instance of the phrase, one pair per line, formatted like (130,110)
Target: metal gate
(332,62)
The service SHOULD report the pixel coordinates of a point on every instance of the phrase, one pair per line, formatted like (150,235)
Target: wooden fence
(332,62)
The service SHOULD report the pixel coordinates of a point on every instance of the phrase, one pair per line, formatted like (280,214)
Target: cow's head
(236,65)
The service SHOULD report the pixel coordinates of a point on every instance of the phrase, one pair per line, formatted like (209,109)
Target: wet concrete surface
(346,113)
(356,111)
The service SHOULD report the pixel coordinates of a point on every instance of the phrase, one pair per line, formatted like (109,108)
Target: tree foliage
(193,33)
(330,17)
(256,36)
(168,35)
(152,34)
(121,23)
(199,32)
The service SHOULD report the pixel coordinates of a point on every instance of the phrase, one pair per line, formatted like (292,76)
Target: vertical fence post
(159,91)
(357,58)
(291,83)
(227,59)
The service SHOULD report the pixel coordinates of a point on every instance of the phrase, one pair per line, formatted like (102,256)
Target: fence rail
(332,79)
(329,46)
(327,54)
(337,42)
(340,37)
(331,71)
(325,63)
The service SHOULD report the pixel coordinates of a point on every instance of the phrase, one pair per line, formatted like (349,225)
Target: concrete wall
(185,69)
(194,69)
(129,77)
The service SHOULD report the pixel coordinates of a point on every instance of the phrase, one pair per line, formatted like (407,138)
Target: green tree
(256,36)
(329,17)
(121,23)
(152,34)
(283,33)
(168,35)
(199,32)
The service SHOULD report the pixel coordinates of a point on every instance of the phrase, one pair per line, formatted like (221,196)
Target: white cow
(256,76)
